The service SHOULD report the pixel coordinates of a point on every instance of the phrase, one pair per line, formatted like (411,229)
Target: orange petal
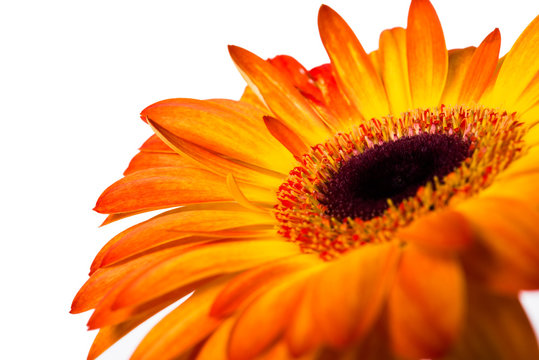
(496,328)
(394,68)
(217,163)
(205,261)
(280,95)
(343,316)
(355,72)
(154,144)
(302,335)
(104,315)
(216,347)
(288,138)
(299,76)
(507,258)
(426,305)
(519,69)
(260,324)
(234,131)
(147,160)
(166,187)
(119,216)
(109,335)
(160,188)
(444,230)
(178,224)
(183,328)
(481,69)
(98,260)
(427,54)
(252,282)
(459,61)
(334,99)
(104,279)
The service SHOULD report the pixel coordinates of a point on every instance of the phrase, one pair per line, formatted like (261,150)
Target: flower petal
(366,274)
(394,68)
(146,160)
(507,229)
(481,68)
(459,60)
(288,138)
(520,67)
(265,319)
(166,187)
(174,334)
(527,164)
(496,329)
(203,262)
(216,347)
(218,163)
(334,98)
(256,280)
(154,144)
(302,334)
(355,72)
(109,335)
(426,306)
(427,54)
(444,230)
(298,75)
(178,224)
(231,130)
(280,95)
(102,280)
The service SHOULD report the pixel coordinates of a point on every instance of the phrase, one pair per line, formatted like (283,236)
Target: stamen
(359,187)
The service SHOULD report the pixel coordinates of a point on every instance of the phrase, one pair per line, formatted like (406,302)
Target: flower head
(381,206)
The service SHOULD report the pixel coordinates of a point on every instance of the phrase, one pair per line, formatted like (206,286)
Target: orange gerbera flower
(381,206)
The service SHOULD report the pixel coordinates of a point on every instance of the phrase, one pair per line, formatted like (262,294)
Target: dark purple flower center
(394,170)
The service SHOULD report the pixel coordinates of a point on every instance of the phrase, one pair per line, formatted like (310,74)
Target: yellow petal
(394,68)
(520,67)
(427,54)
(459,60)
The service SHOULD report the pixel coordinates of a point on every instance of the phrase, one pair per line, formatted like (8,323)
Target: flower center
(393,170)
(360,187)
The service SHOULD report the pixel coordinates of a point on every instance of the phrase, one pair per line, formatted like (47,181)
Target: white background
(73,78)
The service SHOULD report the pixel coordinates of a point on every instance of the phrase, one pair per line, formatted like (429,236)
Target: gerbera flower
(381,206)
